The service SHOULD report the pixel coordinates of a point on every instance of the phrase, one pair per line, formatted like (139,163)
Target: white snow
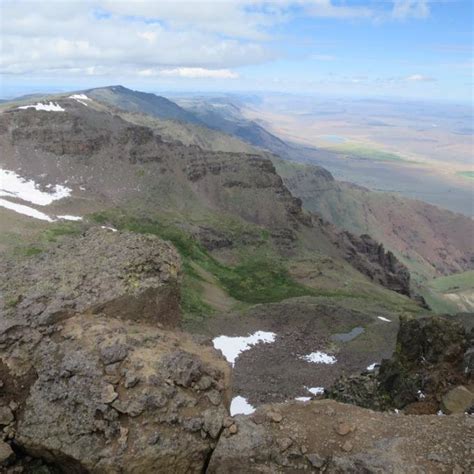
(13,185)
(70,218)
(440,413)
(51,107)
(384,319)
(303,399)
(108,228)
(371,367)
(316,390)
(421,395)
(27,211)
(232,347)
(80,98)
(319,357)
(240,406)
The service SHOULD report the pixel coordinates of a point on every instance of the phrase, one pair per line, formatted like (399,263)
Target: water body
(348,336)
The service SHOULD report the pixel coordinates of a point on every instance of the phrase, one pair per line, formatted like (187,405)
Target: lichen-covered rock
(78,409)
(428,361)
(91,381)
(325,436)
(123,274)
(458,400)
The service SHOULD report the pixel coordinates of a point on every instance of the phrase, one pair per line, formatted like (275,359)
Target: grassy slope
(466,174)
(362,152)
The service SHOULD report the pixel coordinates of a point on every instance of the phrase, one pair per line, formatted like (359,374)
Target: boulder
(91,381)
(457,400)
(77,410)
(123,274)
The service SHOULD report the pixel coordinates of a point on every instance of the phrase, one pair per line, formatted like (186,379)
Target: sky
(389,48)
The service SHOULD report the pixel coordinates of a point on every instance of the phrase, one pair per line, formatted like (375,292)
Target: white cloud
(403,9)
(326,9)
(420,78)
(191,73)
(192,38)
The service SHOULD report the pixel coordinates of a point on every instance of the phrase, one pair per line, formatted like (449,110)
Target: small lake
(348,336)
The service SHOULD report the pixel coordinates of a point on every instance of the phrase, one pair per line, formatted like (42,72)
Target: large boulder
(458,400)
(123,274)
(90,381)
(326,436)
(100,394)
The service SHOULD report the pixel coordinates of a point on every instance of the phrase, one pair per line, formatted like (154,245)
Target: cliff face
(371,259)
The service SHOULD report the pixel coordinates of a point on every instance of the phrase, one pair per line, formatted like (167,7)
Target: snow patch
(13,185)
(51,107)
(384,319)
(25,210)
(303,399)
(240,406)
(316,390)
(108,228)
(70,218)
(319,357)
(80,98)
(371,367)
(232,347)
(421,395)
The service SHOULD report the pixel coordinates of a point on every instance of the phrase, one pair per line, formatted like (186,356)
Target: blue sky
(393,48)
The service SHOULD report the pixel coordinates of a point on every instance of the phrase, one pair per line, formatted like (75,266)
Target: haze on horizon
(400,48)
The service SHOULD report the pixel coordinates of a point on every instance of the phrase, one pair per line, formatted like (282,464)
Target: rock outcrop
(125,275)
(429,361)
(89,381)
(371,259)
(326,436)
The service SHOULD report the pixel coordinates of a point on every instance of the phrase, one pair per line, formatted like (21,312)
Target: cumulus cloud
(192,38)
(191,73)
(403,9)
(420,78)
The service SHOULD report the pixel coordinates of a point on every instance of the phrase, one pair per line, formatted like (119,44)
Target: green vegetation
(456,282)
(58,229)
(466,174)
(366,153)
(258,278)
(27,251)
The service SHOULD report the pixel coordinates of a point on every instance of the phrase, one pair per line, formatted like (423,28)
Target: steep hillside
(136,101)
(432,242)
(224,115)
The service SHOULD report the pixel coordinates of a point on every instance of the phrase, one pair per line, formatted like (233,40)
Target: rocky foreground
(96,376)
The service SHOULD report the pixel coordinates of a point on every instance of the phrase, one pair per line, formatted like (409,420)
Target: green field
(362,152)
(458,282)
(466,174)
